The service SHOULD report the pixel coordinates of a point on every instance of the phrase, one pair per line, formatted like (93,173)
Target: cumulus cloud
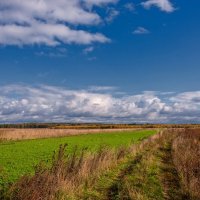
(49,22)
(99,2)
(48,34)
(56,52)
(130,6)
(164,5)
(88,50)
(101,88)
(112,14)
(140,31)
(22,103)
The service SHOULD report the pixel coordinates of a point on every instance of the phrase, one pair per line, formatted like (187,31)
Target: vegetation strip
(186,157)
(133,178)
(169,174)
(138,177)
(117,190)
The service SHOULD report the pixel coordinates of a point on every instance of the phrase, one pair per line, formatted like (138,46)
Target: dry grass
(67,177)
(186,156)
(24,134)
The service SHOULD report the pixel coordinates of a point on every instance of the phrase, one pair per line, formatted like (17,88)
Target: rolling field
(18,157)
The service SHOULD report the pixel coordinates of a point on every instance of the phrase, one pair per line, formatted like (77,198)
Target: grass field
(18,157)
(132,165)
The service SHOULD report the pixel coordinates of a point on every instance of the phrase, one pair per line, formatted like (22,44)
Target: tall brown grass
(186,157)
(22,134)
(68,175)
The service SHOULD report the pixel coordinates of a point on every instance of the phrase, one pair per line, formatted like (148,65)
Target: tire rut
(169,176)
(117,191)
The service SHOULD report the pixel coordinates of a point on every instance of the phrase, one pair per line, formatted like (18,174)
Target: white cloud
(112,14)
(99,2)
(48,34)
(56,52)
(88,50)
(141,30)
(21,103)
(101,88)
(164,5)
(130,6)
(52,22)
(92,58)
(49,22)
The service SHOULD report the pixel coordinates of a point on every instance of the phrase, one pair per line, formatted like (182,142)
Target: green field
(18,157)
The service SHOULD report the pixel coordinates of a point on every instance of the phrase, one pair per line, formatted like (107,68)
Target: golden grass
(186,156)
(24,134)
(67,177)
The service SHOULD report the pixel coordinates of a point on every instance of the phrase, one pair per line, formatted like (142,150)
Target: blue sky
(120,49)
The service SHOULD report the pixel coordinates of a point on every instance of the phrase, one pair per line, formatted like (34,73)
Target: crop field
(18,157)
(143,164)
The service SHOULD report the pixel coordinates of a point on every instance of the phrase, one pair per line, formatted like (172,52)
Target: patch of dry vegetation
(24,134)
(68,176)
(45,130)
(186,157)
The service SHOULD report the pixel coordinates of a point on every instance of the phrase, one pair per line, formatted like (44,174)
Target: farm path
(150,175)
(118,190)
(169,176)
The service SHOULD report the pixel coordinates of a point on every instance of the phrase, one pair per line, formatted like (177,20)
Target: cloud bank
(22,103)
(54,22)
(49,22)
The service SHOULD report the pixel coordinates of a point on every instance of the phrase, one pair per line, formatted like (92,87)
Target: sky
(113,61)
